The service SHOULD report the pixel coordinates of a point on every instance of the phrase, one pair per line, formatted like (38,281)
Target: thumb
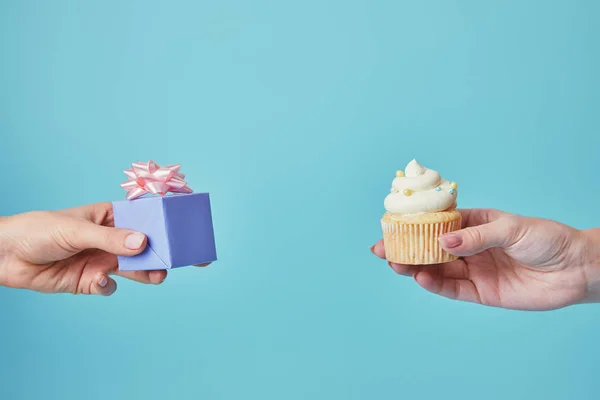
(503,232)
(87,235)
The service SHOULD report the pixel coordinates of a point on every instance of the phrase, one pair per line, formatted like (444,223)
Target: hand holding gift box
(179,226)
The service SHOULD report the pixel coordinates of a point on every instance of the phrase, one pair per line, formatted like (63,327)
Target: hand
(69,251)
(512,262)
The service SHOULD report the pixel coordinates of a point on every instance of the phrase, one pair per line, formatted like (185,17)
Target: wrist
(591,265)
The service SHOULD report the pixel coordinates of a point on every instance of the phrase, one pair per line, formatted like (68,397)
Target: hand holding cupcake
(421,206)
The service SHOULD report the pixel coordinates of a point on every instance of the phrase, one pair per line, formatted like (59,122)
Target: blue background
(295,115)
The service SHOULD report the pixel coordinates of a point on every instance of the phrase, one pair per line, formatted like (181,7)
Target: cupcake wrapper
(417,243)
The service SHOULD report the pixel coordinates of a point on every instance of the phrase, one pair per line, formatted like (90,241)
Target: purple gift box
(179,227)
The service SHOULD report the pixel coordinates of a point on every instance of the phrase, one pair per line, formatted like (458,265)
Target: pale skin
(513,262)
(507,260)
(69,251)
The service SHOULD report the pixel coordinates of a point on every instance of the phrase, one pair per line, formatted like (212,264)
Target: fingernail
(372,248)
(450,240)
(134,240)
(103,281)
(202,265)
(158,274)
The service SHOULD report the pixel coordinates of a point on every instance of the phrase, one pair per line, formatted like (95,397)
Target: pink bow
(149,177)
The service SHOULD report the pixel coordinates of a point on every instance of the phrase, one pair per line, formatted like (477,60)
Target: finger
(457,289)
(106,263)
(98,213)
(100,284)
(405,270)
(202,265)
(480,216)
(502,232)
(149,277)
(81,235)
(470,217)
(378,249)
(454,269)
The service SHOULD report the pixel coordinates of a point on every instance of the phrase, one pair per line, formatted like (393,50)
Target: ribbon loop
(151,178)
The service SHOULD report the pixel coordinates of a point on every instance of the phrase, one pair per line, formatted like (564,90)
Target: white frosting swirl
(420,190)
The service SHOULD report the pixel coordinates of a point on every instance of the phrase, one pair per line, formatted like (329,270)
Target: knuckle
(455,290)
(64,237)
(101,213)
(513,221)
(9,280)
(107,237)
(513,224)
(36,218)
(513,229)
(474,236)
(37,214)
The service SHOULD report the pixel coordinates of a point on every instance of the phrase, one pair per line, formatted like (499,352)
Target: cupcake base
(413,238)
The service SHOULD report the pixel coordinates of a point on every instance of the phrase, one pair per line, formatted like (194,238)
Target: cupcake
(420,208)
